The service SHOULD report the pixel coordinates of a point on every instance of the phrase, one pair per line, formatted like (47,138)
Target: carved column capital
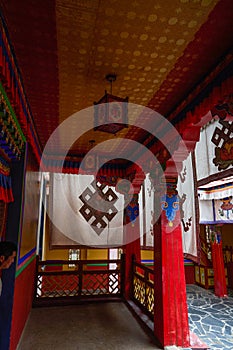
(136,176)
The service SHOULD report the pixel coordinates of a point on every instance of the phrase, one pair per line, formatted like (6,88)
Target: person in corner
(7,255)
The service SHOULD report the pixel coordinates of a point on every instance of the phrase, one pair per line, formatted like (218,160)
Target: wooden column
(132,240)
(170,312)
(132,245)
(220,287)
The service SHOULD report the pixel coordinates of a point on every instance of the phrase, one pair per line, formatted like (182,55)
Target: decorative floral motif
(10,133)
(132,210)
(170,203)
(16,102)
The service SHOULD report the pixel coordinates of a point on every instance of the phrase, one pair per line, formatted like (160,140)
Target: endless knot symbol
(222,135)
(98,206)
(222,138)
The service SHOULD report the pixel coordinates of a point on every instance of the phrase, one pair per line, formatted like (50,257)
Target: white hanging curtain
(205,151)
(149,213)
(206,211)
(146,210)
(185,187)
(82,214)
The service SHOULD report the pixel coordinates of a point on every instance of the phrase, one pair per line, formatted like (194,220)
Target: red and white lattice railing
(66,280)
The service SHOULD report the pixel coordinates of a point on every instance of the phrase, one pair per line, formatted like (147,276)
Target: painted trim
(12,112)
(21,269)
(12,69)
(26,256)
(98,264)
(217,189)
(148,261)
(22,202)
(214,177)
(54,264)
(216,222)
(213,207)
(188,263)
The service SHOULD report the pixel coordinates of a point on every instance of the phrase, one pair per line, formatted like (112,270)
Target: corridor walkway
(93,326)
(111,326)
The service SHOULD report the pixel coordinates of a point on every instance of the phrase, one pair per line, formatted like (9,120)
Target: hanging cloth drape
(185,187)
(81,213)
(217,192)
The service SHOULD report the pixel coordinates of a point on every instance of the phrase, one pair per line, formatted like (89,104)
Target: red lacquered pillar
(220,287)
(132,241)
(170,310)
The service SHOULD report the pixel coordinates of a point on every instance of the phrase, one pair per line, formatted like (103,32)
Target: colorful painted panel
(197,274)
(202,275)
(6,194)
(224,209)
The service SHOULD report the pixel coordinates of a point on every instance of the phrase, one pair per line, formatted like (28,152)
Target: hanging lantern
(110,113)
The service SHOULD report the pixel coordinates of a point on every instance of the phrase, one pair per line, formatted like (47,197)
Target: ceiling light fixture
(111,112)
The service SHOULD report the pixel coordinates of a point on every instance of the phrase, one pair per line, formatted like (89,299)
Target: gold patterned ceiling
(138,40)
(65,48)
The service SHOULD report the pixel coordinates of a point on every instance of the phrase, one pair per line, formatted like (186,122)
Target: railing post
(36,276)
(132,275)
(122,272)
(80,278)
(146,275)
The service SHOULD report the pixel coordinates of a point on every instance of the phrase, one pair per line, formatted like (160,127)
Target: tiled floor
(211,317)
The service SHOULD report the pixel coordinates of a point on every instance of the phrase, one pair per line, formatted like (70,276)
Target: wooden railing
(228,261)
(65,281)
(143,288)
(228,254)
(206,254)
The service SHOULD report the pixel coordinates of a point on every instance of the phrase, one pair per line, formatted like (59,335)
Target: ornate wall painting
(224,209)
(170,204)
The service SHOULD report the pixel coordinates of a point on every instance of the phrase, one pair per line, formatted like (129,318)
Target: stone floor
(111,326)
(93,326)
(211,317)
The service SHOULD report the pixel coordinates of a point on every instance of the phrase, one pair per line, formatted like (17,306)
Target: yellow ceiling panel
(139,41)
